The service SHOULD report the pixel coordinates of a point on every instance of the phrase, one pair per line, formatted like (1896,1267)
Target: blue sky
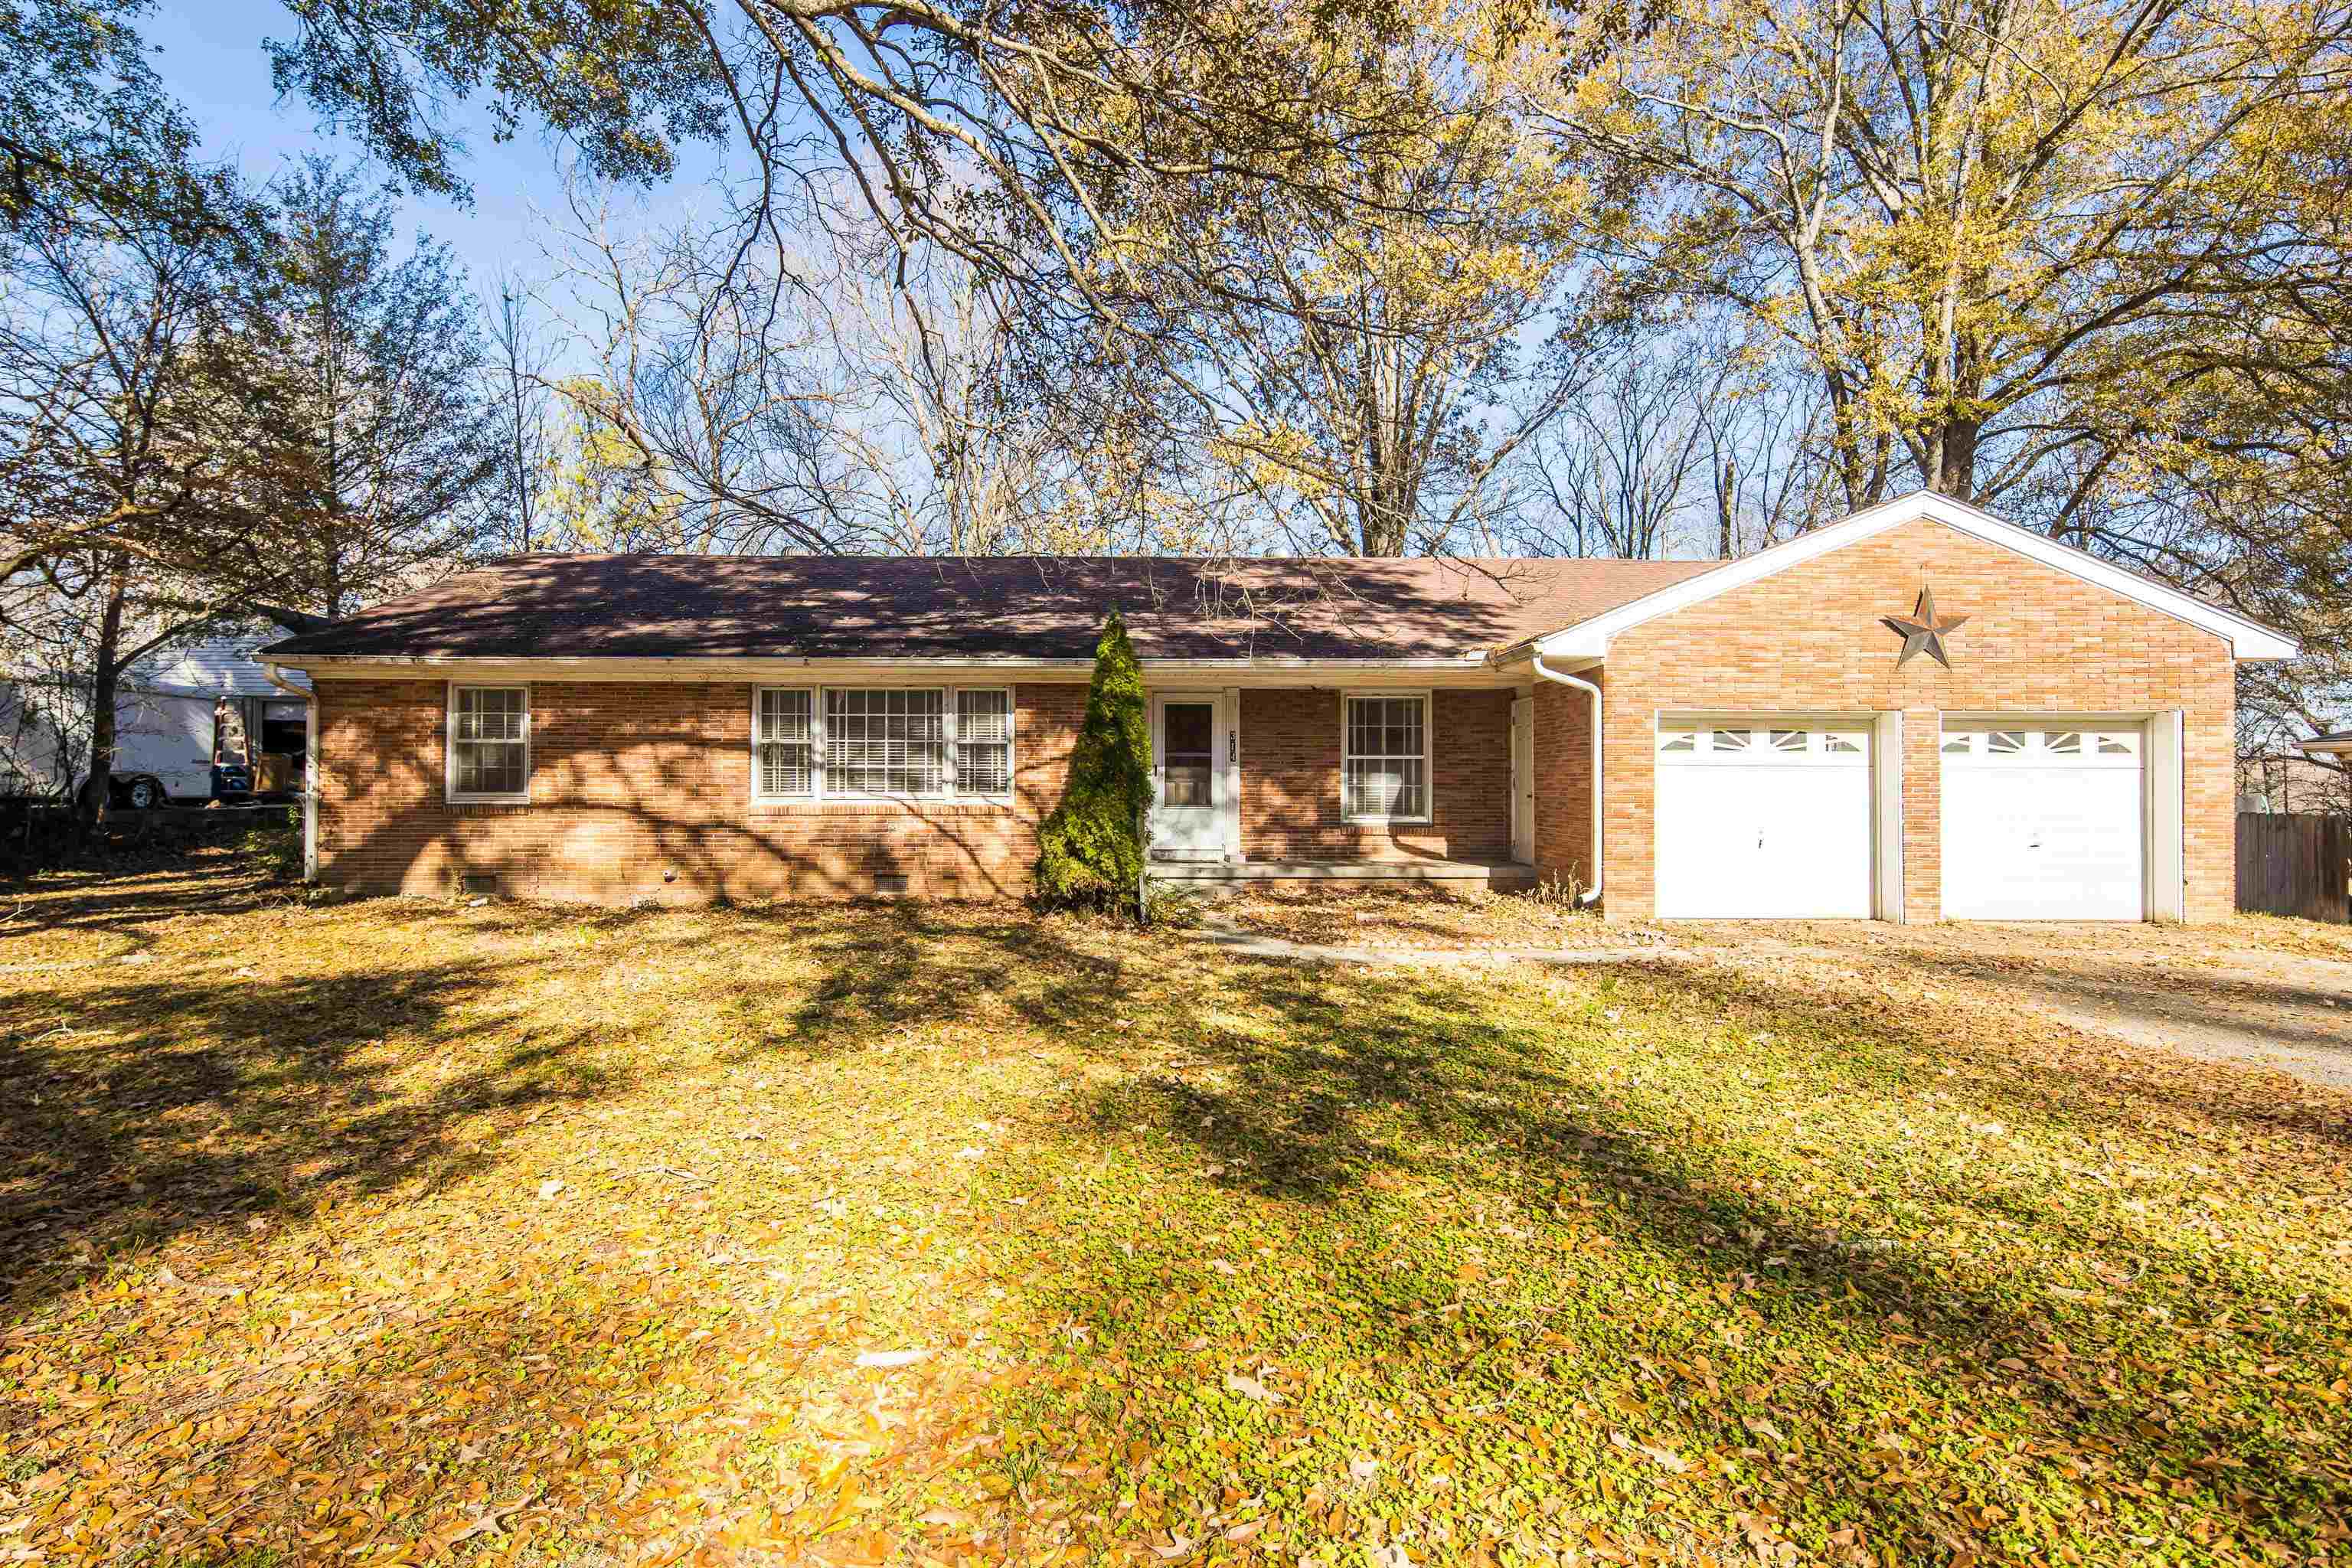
(209,54)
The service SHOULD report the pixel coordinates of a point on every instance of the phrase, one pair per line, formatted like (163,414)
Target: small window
(1728,741)
(983,742)
(2063,743)
(1679,740)
(1789,740)
(2114,745)
(1385,770)
(1840,741)
(787,744)
(489,744)
(2005,742)
(1960,741)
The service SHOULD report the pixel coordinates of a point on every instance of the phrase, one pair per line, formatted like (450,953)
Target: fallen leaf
(1251,1388)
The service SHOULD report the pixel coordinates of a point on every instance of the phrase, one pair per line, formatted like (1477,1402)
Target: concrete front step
(1499,875)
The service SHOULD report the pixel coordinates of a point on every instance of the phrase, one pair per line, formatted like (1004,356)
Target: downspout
(309,768)
(1546,672)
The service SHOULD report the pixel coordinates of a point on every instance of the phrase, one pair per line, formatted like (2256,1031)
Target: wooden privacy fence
(2293,863)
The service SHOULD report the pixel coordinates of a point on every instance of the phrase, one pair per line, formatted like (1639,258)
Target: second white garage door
(1764,821)
(2042,823)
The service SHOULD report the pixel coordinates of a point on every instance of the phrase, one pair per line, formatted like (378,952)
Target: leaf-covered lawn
(399,1232)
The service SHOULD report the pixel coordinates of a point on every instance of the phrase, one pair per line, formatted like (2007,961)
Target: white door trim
(1886,802)
(1523,778)
(1231,766)
(2167,849)
(1222,794)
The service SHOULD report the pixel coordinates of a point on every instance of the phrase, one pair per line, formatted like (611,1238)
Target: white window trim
(449,791)
(1428,749)
(1762,751)
(952,717)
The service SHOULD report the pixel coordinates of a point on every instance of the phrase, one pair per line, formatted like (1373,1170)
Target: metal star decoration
(1922,632)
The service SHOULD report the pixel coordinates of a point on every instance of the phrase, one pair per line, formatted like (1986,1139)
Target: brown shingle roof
(976,606)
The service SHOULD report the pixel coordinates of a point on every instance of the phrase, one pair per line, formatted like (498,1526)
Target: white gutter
(1546,672)
(309,767)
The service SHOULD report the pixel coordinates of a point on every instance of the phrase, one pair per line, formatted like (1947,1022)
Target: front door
(1187,818)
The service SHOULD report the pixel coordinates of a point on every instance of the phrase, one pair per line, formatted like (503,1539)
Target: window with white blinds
(489,744)
(784,740)
(983,741)
(857,742)
(1384,773)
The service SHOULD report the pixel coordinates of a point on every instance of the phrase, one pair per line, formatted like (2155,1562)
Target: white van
(189,720)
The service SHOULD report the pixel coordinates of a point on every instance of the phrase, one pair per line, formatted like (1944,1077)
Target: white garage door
(2042,824)
(1764,820)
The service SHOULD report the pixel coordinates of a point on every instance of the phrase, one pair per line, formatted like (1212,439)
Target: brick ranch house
(1774,736)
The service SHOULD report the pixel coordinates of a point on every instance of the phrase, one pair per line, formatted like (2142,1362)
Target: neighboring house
(1775,735)
(2306,784)
(180,713)
(2337,744)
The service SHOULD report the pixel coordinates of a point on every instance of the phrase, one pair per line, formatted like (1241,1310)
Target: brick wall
(644,788)
(1290,780)
(1809,638)
(1563,766)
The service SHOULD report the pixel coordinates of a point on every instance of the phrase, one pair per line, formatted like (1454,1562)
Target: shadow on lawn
(1373,1074)
(216,1097)
(160,1104)
(1321,1082)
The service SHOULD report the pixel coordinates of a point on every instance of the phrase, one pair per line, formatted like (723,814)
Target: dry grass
(1411,915)
(401,1231)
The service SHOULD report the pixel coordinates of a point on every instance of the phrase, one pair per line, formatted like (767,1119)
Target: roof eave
(684,666)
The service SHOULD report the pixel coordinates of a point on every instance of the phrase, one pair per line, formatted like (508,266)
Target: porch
(1300,782)
(1460,875)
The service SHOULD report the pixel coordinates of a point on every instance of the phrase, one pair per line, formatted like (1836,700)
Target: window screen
(1387,764)
(787,744)
(487,740)
(885,742)
(983,742)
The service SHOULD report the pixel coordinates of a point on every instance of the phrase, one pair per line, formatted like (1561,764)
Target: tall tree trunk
(1726,487)
(106,680)
(1956,470)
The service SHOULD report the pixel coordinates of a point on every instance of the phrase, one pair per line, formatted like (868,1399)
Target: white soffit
(2247,639)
